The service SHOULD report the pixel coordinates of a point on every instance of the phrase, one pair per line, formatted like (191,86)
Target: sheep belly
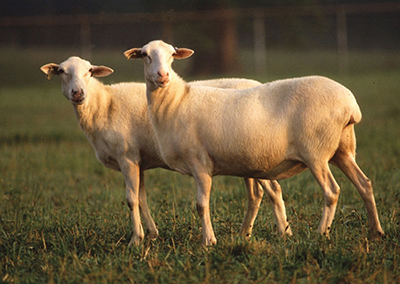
(285,169)
(264,166)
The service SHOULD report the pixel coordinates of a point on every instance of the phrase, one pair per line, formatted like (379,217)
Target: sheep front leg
(203,182)
(151,226)
(132,180)
(274,193)
(254,197)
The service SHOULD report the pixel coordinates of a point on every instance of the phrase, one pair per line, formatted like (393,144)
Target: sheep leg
(132,179)
(331,191)
(254,197)
(274,193)
(347,164)
(151,226)
(203,182)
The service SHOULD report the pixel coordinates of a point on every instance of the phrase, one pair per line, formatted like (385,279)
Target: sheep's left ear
(101,71)
(133,53)
(50,69)
(181,53)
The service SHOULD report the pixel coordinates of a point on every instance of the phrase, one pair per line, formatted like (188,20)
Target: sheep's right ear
(50,69)
(133,53)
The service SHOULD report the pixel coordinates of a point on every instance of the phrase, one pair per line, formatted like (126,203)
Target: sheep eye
(60,71)
(145,55)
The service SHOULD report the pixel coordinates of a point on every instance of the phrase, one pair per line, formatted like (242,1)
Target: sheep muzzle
(162,79)
(77,96)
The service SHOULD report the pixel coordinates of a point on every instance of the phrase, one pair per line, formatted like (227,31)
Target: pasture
(64,219)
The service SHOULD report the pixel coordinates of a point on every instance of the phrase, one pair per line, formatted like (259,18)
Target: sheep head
(158,57)
(75,76)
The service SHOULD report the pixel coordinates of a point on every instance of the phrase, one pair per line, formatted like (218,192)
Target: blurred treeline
(56,7)
(224,44)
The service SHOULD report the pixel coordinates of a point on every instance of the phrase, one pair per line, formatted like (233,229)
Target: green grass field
(64,219)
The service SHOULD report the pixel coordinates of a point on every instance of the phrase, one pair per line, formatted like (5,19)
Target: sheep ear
(101,71)
(181,53)
(50,69)
(133,53)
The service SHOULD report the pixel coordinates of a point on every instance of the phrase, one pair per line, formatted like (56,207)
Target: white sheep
(272,131)
(115,120)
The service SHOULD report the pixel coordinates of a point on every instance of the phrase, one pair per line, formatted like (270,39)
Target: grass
(64,219)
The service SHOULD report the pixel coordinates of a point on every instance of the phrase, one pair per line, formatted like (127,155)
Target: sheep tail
(355,116)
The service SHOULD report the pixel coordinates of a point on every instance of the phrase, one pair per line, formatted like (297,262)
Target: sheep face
(76,75)
(158,57)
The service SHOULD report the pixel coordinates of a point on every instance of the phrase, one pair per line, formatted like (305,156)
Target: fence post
(259,43)
(342,44)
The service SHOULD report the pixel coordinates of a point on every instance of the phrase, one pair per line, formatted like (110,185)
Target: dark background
(219,42)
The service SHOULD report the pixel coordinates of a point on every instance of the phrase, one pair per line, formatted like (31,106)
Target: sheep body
(224,121)
(272,131)
(115,120)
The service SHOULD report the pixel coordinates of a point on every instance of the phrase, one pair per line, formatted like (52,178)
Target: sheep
(115,121)
(273,131)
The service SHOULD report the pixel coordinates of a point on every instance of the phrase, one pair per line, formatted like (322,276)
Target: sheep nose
(77,93)
(163,74)
(77,96)
(163,78)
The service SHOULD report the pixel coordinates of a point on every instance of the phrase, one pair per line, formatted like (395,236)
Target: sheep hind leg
(274,193)
(331,190)
(347,164)
(150,224)
(254,197)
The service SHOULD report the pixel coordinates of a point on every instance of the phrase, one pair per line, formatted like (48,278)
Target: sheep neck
(92,114)
(163,101)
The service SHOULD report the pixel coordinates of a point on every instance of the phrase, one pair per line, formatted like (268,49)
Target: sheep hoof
(135,241)
(152,236)
(288,231)
(326,234)
(209,242)
(245,234)
(377,235)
